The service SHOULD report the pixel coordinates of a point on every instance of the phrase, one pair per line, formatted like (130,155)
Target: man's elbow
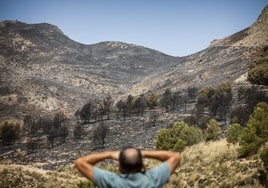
(78,163)
(176,159)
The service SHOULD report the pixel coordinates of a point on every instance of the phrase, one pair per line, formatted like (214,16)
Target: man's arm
(173,159)
(86,164)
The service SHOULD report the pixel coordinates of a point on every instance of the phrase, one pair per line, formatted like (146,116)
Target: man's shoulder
(99,171)
(160,173)
(156,176)
(104,177)
(163,167)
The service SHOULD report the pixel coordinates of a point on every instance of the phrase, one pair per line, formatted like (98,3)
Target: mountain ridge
(51,70)
(46,70)
(252,36)
(235,52)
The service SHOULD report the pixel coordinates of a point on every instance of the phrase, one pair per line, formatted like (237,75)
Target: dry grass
(215,164)
(212,164)
(28,176)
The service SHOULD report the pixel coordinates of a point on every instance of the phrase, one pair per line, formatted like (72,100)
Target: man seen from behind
(131,167)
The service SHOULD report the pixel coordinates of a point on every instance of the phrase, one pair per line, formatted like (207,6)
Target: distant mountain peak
(263,18)
(41,26)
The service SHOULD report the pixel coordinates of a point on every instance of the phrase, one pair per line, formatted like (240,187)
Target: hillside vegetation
(258,69)
(60,99)
(211,164)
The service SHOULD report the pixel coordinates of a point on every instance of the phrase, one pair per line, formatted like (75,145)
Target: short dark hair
(133,165)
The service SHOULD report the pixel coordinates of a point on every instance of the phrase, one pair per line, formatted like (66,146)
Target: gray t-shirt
(153,178)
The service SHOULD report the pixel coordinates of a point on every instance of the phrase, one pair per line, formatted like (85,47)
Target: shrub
(249,141)
(78,132)
(250,148)
(180,144)
(32,145)
(99,135)
(9,132)
(140,105)
(215,101)
(264,157)
(258,69)
(259,120)
(166,100)
(177,137)
(86,112)
(213,131)
(191,120)
(240,114)
(256,132)
(151,100)
(233,133)
(46,124)
(223,98)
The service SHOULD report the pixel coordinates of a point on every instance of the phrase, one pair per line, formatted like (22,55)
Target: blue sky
(175,27)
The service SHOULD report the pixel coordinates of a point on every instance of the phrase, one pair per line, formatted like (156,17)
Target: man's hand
(115,155)
(173,159)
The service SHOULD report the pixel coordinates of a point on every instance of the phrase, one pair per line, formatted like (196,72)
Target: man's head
(130,160)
